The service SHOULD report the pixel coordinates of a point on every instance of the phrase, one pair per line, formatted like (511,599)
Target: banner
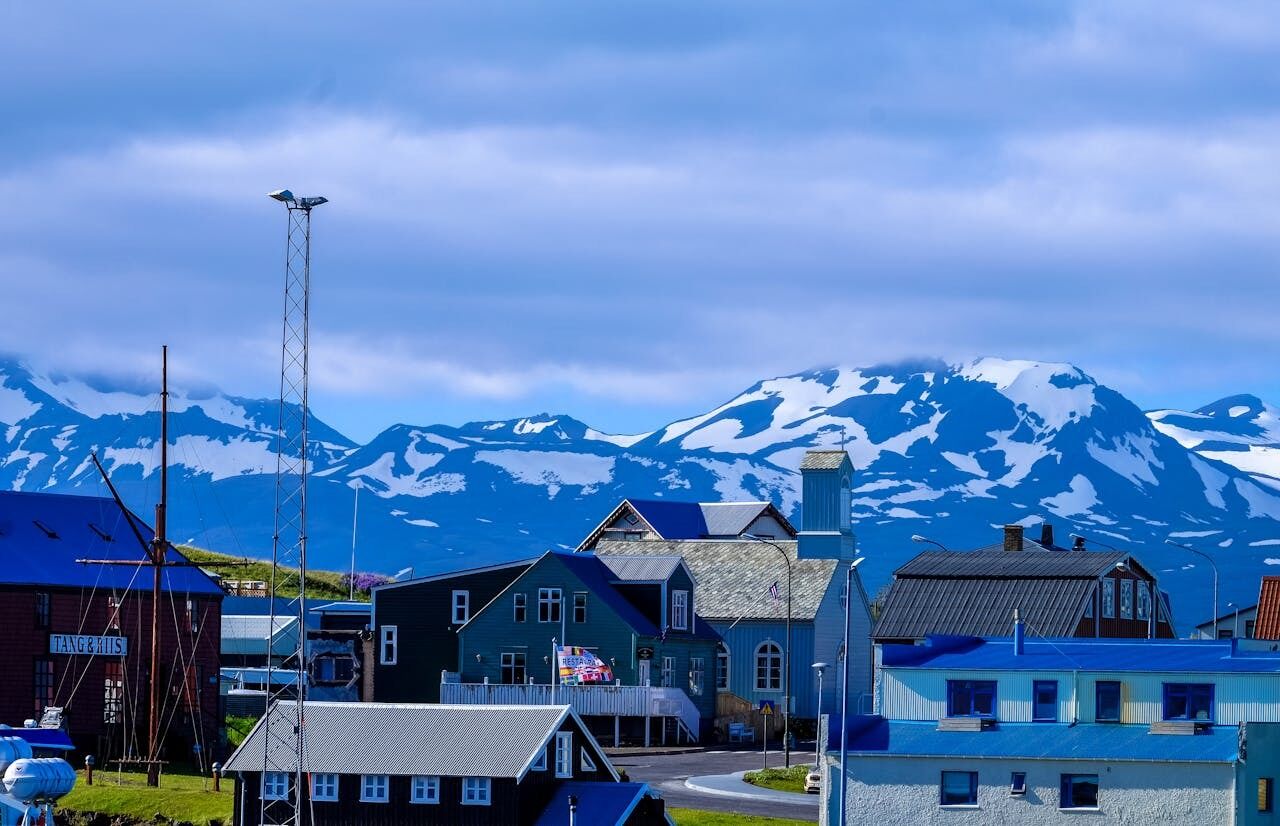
(578,666)
(75,644)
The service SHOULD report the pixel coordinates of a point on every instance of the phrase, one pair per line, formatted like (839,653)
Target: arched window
(768,667)
(722,667)
(846,504)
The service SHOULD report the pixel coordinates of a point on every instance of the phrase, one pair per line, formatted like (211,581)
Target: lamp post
(818,746)
(844,688)
(1208,559)
(915,537)
(786,655)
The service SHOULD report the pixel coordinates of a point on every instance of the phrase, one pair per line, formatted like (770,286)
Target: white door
(642,672)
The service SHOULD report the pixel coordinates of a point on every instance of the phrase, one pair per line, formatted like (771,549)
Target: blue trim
(1185,701)
(970,800)
(971,698)
(1067,791)
(1114,694)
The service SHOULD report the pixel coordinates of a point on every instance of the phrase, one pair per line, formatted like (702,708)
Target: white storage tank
(11,749)
(43,778)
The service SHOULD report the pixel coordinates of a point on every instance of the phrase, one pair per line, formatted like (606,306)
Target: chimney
(1013,537)
(1079,544)
(1019,632)
(1046,535)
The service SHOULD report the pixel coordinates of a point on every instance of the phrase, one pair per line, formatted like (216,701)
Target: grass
(320,584)
(238,728)
(181,796)
(696,817)
(782,780)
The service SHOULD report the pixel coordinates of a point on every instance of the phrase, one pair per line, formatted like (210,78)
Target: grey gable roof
(730,518)
(642,568)
(734,575)
(983,563)
(823,459)
(406,739)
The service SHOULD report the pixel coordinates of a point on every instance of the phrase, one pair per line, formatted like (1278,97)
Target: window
(332,669)
(579,607)
(513,671)
(275,785)
(1266,794)
(540,762)
(113,614)
(461,607)
(722,669)
(390,647)
(1106,701)
(1126,598)
(1044,705)
(43,684)
(193,616)
(1144,601)
(192,680)
(959,789)
(1188,701)
(588,765)
(374,788)
(1248,629)
(564,754)
(680,610)
(971,698)
(1079,791)
(113,693)
(697,674)
(548,605)
(426,789)
(1108,598)
(668,671)
(519,607)
(768,667)
(1018,783)
(324,788)
(475,791)
(42,610)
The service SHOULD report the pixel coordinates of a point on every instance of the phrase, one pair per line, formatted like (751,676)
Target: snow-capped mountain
(1243,431)
(948,451)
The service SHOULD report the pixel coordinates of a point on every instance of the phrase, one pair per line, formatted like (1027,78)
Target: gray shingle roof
(918,606)
(734,575)
(822,459)
(730,518)
(405,739)
(641,568)
(1089,564)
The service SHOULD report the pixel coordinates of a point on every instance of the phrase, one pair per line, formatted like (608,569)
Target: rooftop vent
(48,531)
(1046,535)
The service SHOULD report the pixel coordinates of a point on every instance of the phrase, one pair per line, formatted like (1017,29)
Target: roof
(729,518)
(671,519)
(1125,655)
(406,739)
(82,527)
(359,608)
(1227,617)
(917,607)
(596,575)
(41,738)
(823,459)
(642,568)
(600,804)
(734,575)
(247,634)
(876,736)
(987,563)
(1267,624)
(450,574)
(676,520)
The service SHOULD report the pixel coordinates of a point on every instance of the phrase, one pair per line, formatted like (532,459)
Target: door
(642,672)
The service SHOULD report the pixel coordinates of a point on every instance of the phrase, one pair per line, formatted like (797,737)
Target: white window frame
(1126,599)
(519,607)
(460,617)
(769,657)
(550,598)
(667,677)
(1143,601)
(697,675)
(564,754)
(588,765)
(507,660)
(390,642)
(576,607)
(375,788)
(540,762)
(275,785)
(1108,598)
(680,610)
(324,787)
(727,657)
(476,791)
(425,789)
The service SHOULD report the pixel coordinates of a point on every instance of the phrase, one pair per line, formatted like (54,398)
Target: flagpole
(555,670)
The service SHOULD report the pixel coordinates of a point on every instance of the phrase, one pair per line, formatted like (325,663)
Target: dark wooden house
(393,764)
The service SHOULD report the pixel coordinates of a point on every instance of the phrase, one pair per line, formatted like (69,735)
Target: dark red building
(78,636)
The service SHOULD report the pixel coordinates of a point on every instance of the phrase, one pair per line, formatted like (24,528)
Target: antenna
(355,515)
(283,729)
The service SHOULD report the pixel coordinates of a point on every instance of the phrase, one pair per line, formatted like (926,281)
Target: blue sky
(630,211)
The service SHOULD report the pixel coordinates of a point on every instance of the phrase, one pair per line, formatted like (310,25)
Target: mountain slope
(1242,431)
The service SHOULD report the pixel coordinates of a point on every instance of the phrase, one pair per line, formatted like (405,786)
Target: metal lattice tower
(284,731)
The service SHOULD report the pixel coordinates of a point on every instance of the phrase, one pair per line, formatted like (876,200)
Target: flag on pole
(578,666)
(775,592)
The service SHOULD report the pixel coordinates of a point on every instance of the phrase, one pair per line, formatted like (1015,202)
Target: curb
(700,784)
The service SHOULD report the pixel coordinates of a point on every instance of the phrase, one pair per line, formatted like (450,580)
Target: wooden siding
(743,639)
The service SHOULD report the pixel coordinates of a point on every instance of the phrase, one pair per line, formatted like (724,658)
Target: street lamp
(1208,559)
(786,655)
(915,537)
(844,688)
(819,745)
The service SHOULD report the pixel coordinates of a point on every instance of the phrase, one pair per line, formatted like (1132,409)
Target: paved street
(668,772)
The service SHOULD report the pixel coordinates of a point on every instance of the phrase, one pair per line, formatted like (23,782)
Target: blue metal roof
(343,608)
(996,654)
(1037,741)
(43,534)
(672,520)
(41,738)
(600,804)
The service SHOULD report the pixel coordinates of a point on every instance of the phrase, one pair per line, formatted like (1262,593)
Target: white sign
(77,644)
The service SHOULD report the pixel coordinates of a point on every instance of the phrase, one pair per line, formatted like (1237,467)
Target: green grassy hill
(320,584)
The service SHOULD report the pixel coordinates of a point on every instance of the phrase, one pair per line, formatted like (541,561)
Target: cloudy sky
(631,211)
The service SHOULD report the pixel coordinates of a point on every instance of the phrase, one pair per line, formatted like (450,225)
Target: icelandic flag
(578,666)
(774,592)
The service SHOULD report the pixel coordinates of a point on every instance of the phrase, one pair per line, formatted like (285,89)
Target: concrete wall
(901,790)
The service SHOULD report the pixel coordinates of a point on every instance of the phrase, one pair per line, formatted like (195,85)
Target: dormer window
(680,610)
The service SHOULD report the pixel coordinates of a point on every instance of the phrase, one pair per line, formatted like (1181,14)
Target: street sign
(766,707)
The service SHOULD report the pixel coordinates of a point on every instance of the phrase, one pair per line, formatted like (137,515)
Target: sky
(629,212)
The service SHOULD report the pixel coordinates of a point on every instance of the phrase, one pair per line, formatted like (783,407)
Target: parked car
(813,780)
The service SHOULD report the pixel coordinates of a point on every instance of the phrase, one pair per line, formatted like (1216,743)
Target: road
(668,772)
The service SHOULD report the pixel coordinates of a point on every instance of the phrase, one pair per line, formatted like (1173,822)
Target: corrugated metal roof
(405,739)
(917,607)
(1267,625)
(642,568)
(729,518)
(823,459)
(599,804)
(342,608)
(81,527)
(999,563)
(734,575)
(247,634)
(1144,655)
(1039,741)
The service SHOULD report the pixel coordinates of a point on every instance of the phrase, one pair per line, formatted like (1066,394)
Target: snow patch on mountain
(1079,498)
(15,406)
(550,469)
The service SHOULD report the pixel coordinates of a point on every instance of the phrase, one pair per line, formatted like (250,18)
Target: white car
(813,780)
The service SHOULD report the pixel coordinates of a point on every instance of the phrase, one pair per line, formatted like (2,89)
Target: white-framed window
(668,672)
(722,668)
(461,607)
(697,675)
(549,605)
(564,754)
(375,788)
(1109,598)
(324,788)
(519,607)
(588,765)
(680,610)
(389,651)
(1126,598)
(425,789)
(540,762)
(1144,601)
(768,667)
(579,607)
(513,668)
(475,791)
(275,785)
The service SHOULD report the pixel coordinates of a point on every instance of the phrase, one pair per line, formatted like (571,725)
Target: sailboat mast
(159,547)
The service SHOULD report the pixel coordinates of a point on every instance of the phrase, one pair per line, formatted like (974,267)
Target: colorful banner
(579,666)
